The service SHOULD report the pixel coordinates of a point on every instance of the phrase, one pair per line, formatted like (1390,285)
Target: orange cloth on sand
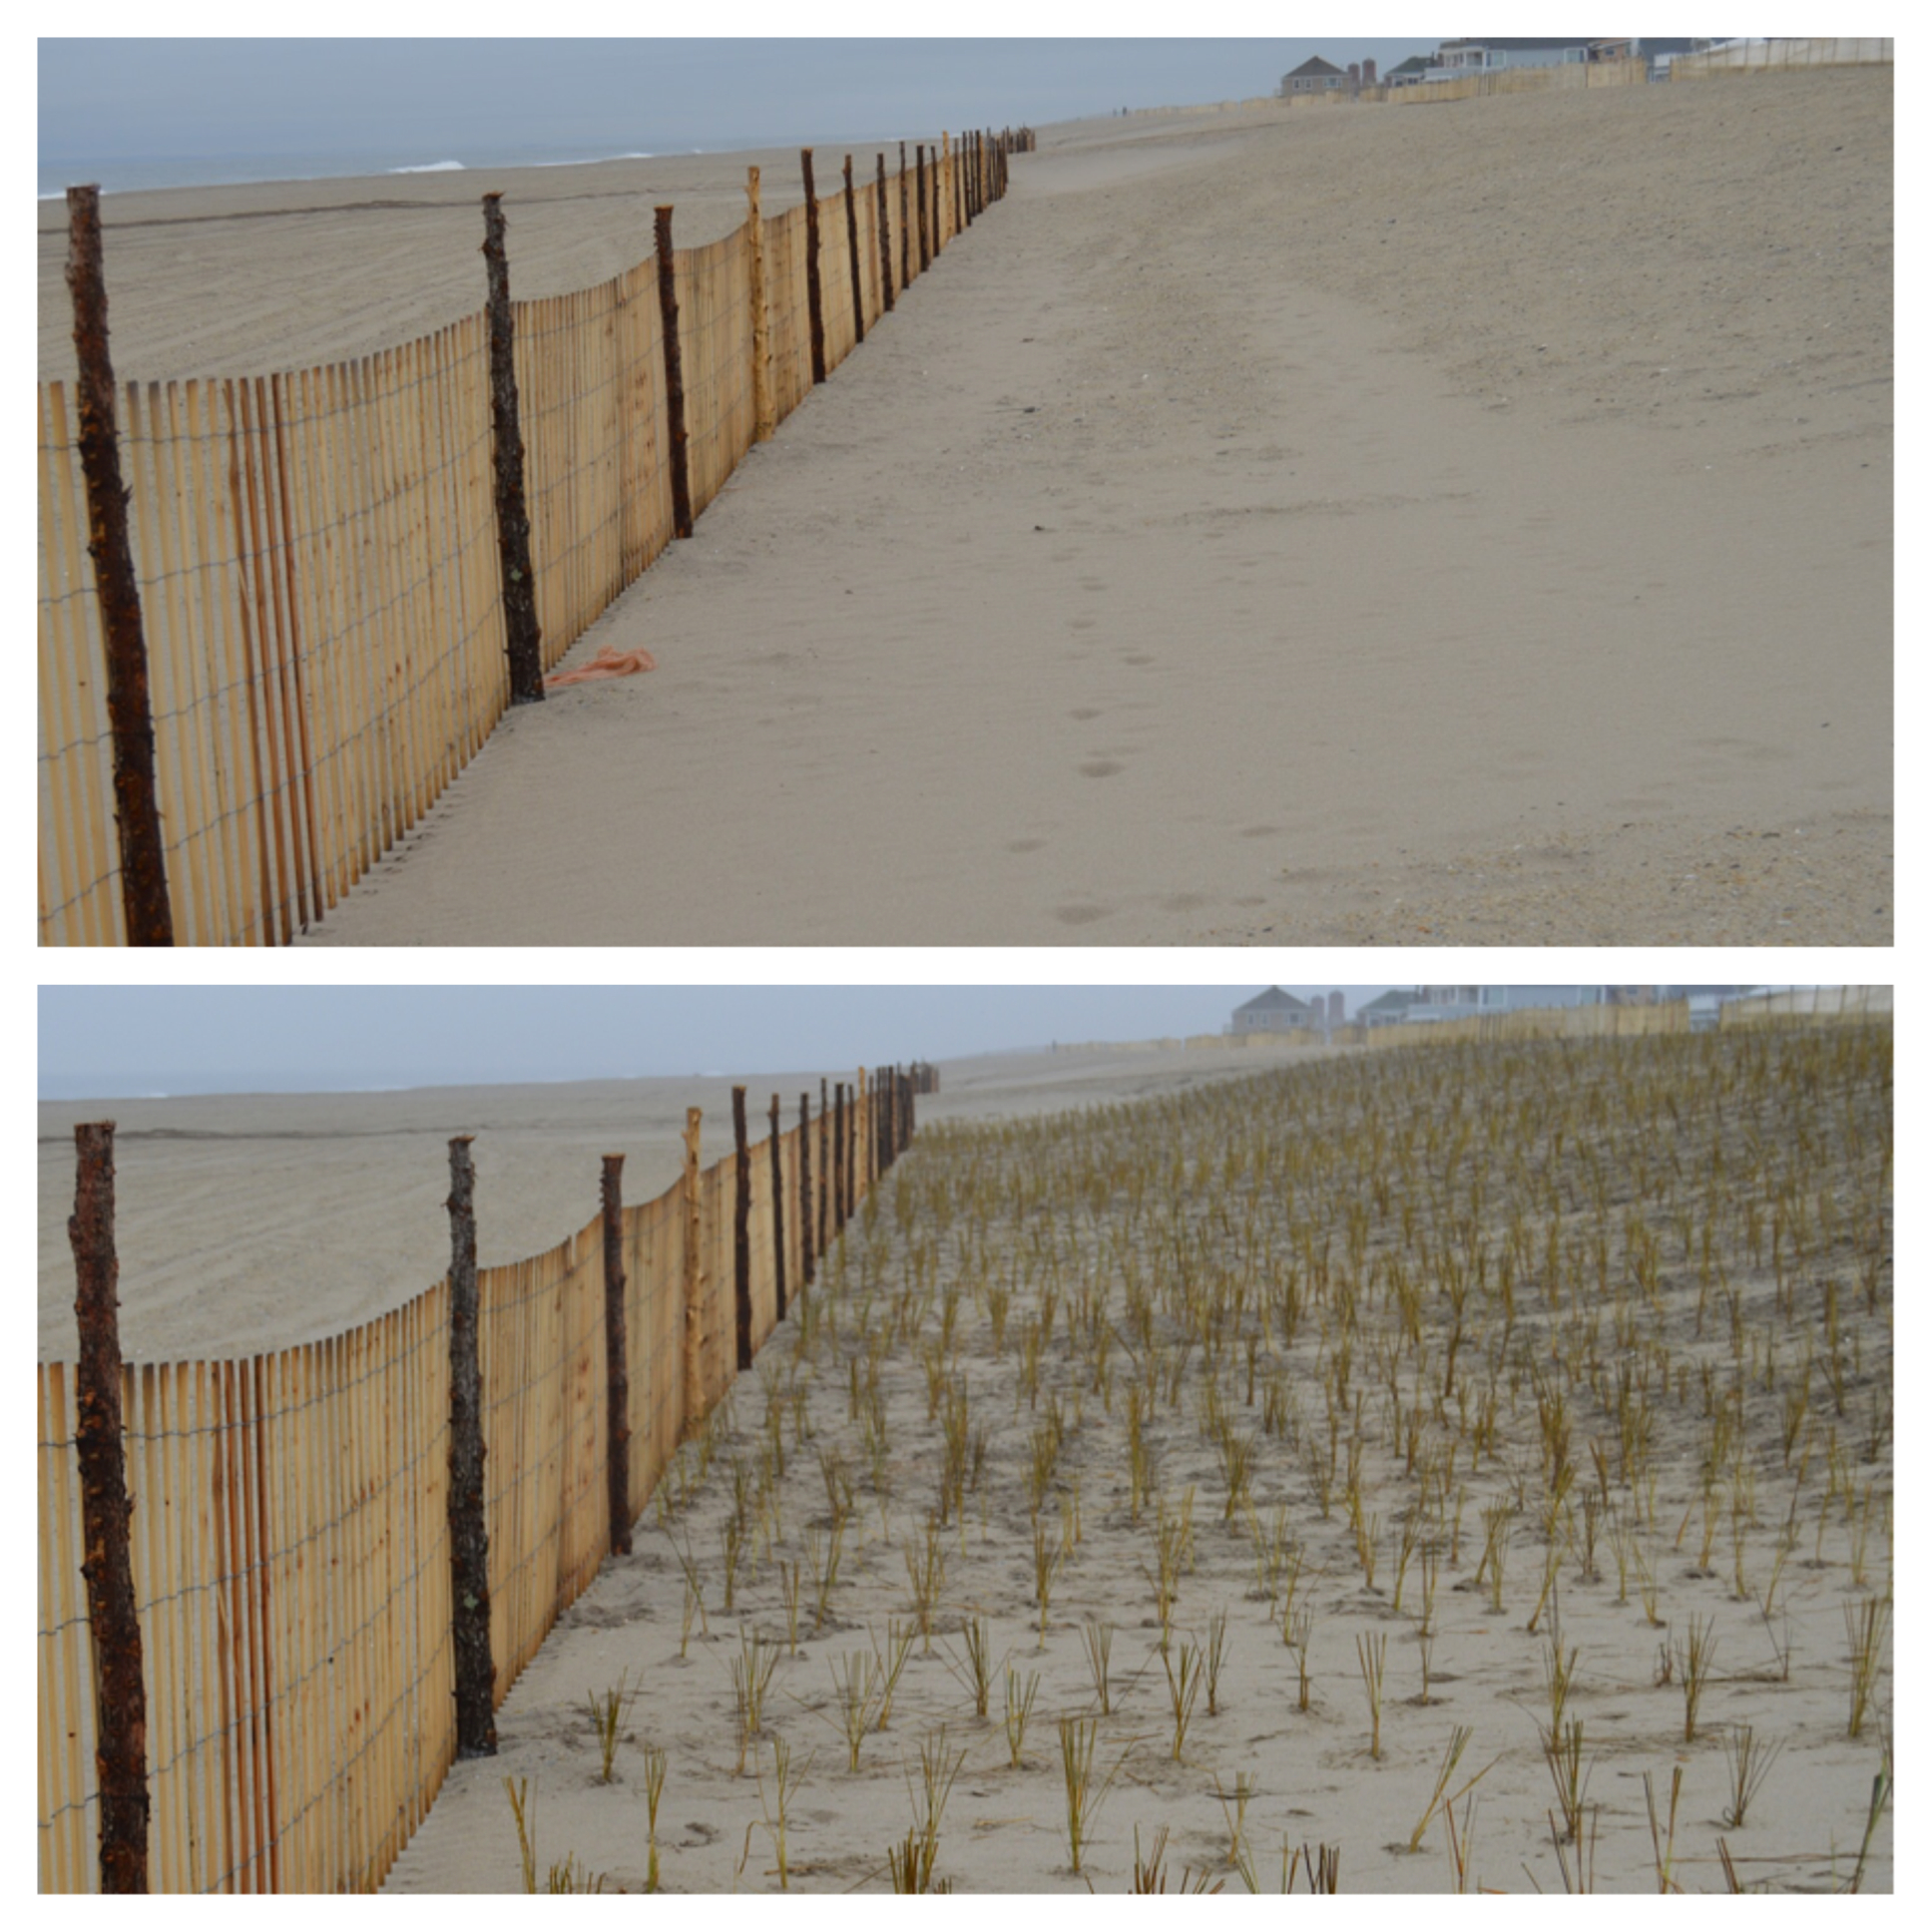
(609,663)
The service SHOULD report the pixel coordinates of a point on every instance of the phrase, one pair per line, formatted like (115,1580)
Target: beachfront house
(1658,54)
(1272,1011)
(1388,1009)
(1458,57)
(1313,76)
(1466,1002)
(1408,72)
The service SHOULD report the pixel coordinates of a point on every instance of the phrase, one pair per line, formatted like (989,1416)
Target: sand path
(1171,570)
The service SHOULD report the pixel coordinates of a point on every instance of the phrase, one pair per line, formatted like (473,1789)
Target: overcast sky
(483,100)
(115,1042)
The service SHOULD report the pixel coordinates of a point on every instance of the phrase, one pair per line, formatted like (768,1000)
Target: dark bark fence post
(469,1543)
(905,219)
(926,254)
(742,1230)
(763,415)
(851,256)
(616,1361)
(839,1158)
(807,1258)
(524,641)
(814,295)
(136,811)
(114,1624)
(693,1276)
(673,380)
(824,1163)
(777,1210)
(885,242)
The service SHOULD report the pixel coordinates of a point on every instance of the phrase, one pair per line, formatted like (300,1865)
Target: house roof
(1395,1000)
(1314,65)
(1519,46)
(1273,1001)
(1415,64)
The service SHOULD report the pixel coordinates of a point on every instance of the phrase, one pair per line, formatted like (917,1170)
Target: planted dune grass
(1467,1468)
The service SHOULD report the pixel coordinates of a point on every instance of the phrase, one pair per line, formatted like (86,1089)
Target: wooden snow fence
(316,560)
(289,1534)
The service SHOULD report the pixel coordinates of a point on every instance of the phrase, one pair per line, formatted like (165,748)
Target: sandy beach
(1552,1588)
(1633,1426)
(1463,524)
(253,1221)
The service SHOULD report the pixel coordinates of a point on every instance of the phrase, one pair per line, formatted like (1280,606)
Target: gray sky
(117,1042)
(483,100)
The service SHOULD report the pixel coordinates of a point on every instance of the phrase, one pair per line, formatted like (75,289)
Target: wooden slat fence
(318,573)
(291,1544)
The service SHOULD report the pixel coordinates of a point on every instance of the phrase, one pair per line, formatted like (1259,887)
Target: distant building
(1313,76)
(1465,1002)
(1418,67)
(1658,53)
(1458,57)
(1272,1011)
(1390,1008)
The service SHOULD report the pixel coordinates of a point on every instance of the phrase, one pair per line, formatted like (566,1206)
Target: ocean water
(118,174)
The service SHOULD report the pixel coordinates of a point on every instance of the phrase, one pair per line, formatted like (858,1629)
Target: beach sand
(1463,524)
(258,1220)
(1640,1572)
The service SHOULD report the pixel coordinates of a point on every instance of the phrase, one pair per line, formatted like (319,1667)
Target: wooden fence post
(693,1276)
(673,380)
(469,1543)
(742,1230)
(905,219)
(807,1258)
(137,813)
(763,416)
(814,297)
(839,1158)
(524,641)
(114,1624)
(617,1363)
(926,254)
(778,1211)
(824,1163)
(885,242)
(851,256)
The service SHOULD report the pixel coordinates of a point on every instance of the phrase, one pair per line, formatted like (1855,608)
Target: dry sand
(255,1221)
(1313,1775)
(1466,524)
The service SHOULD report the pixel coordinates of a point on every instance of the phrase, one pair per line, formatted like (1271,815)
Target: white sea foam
(430,168)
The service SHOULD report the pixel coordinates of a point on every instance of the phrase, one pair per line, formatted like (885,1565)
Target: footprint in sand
(1101,767)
